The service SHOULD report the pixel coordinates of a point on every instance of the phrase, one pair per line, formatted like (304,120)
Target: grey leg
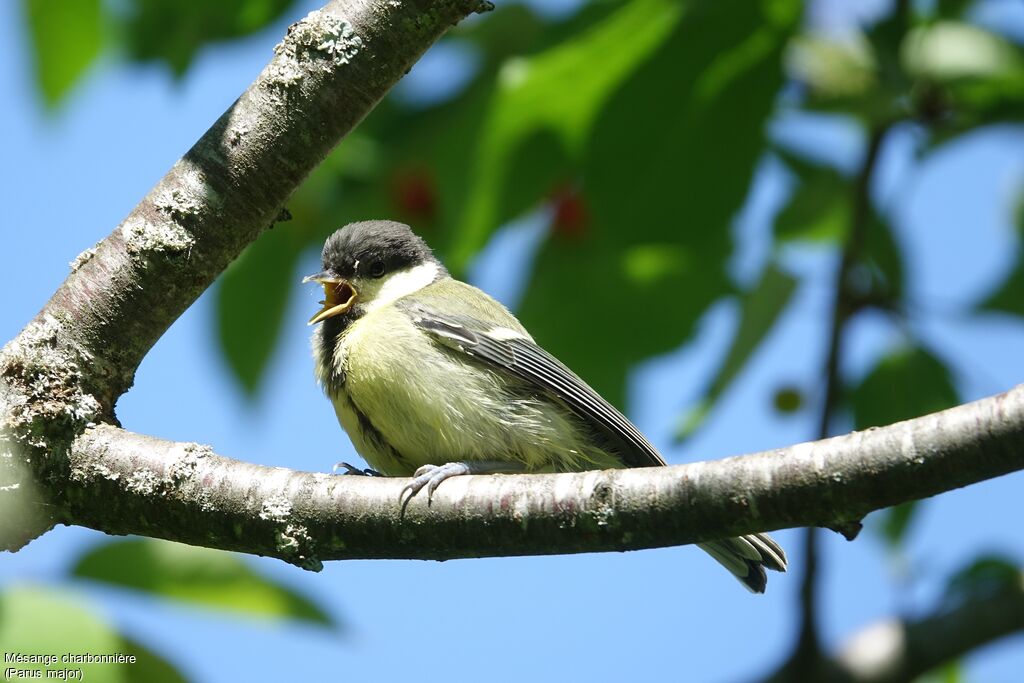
(431,476)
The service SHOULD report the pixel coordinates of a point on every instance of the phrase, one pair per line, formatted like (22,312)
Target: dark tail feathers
(746,557)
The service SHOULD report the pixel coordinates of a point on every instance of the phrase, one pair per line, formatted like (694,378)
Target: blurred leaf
(148,665)
(788,399)
(967,77)
(818,209)
(949,50)
(668,162)
(952,9)
(251,299)
(887,38)
(885,262)
(951,672)
(538,165)
(561,89)
(408,164)
(833,68)
(760,307)
(173,31)
(1009,296)
(985,574)
(426,161)
(510,29)
(66,38)
(210,578)
(905,384)
(34,621)
(858,73)
(896,521)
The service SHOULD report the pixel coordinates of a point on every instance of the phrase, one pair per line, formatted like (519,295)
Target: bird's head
(370,264)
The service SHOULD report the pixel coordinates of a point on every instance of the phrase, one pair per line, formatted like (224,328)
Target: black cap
(363,249)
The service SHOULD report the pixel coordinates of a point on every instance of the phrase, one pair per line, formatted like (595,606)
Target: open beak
(339,296)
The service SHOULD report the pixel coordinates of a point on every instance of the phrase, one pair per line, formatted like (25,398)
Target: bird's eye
(377,269)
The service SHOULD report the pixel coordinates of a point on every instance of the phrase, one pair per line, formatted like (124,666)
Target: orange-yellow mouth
(339,297)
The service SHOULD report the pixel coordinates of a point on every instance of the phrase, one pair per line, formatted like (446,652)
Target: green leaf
(788,399)
(668,161)
(34,621)
(209,578)
(760,307)
(148,665)
(818,210)
(671,155)
(967,77)
(884,260)
(948,51)
(250,303)
(1009,296)
(173,31)
(953,9)
(985,574)
(951,672)
(66,38)
(843,70)
(509,30)
(896,521)
(905,384)
(561,89)
(426,161)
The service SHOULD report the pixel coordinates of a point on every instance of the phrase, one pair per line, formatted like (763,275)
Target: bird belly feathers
(402,411)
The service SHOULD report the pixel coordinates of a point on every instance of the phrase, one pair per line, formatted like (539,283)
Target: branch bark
(64,460)
(68,367)
(126,483)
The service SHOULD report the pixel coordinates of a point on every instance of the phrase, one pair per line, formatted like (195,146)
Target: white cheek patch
(397,285)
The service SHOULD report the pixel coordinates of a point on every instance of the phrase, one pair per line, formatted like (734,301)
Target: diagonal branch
(126,483)
(68,367)
(901,650)
(325,76)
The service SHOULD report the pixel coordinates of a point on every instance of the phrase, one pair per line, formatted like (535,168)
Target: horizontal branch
(127,483)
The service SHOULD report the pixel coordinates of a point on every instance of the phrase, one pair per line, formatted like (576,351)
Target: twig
(807,657)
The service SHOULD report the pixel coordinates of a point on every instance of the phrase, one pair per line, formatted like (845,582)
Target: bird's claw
(352,469)
(431,476)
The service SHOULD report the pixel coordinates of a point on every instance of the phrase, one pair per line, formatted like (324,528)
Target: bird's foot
(431,476)
(352,469)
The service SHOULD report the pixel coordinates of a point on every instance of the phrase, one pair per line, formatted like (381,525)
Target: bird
(432,378)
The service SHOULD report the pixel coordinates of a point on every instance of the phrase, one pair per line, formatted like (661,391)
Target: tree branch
(68,367)
(807,656)
(899,651)
(326,75)
(126,483)
(896,651)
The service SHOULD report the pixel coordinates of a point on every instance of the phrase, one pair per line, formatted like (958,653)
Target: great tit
(431,377)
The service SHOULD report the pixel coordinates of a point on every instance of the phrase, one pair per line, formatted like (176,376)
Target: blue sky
(69,178)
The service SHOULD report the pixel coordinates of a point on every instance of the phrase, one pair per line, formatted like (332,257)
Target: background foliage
(608,149)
